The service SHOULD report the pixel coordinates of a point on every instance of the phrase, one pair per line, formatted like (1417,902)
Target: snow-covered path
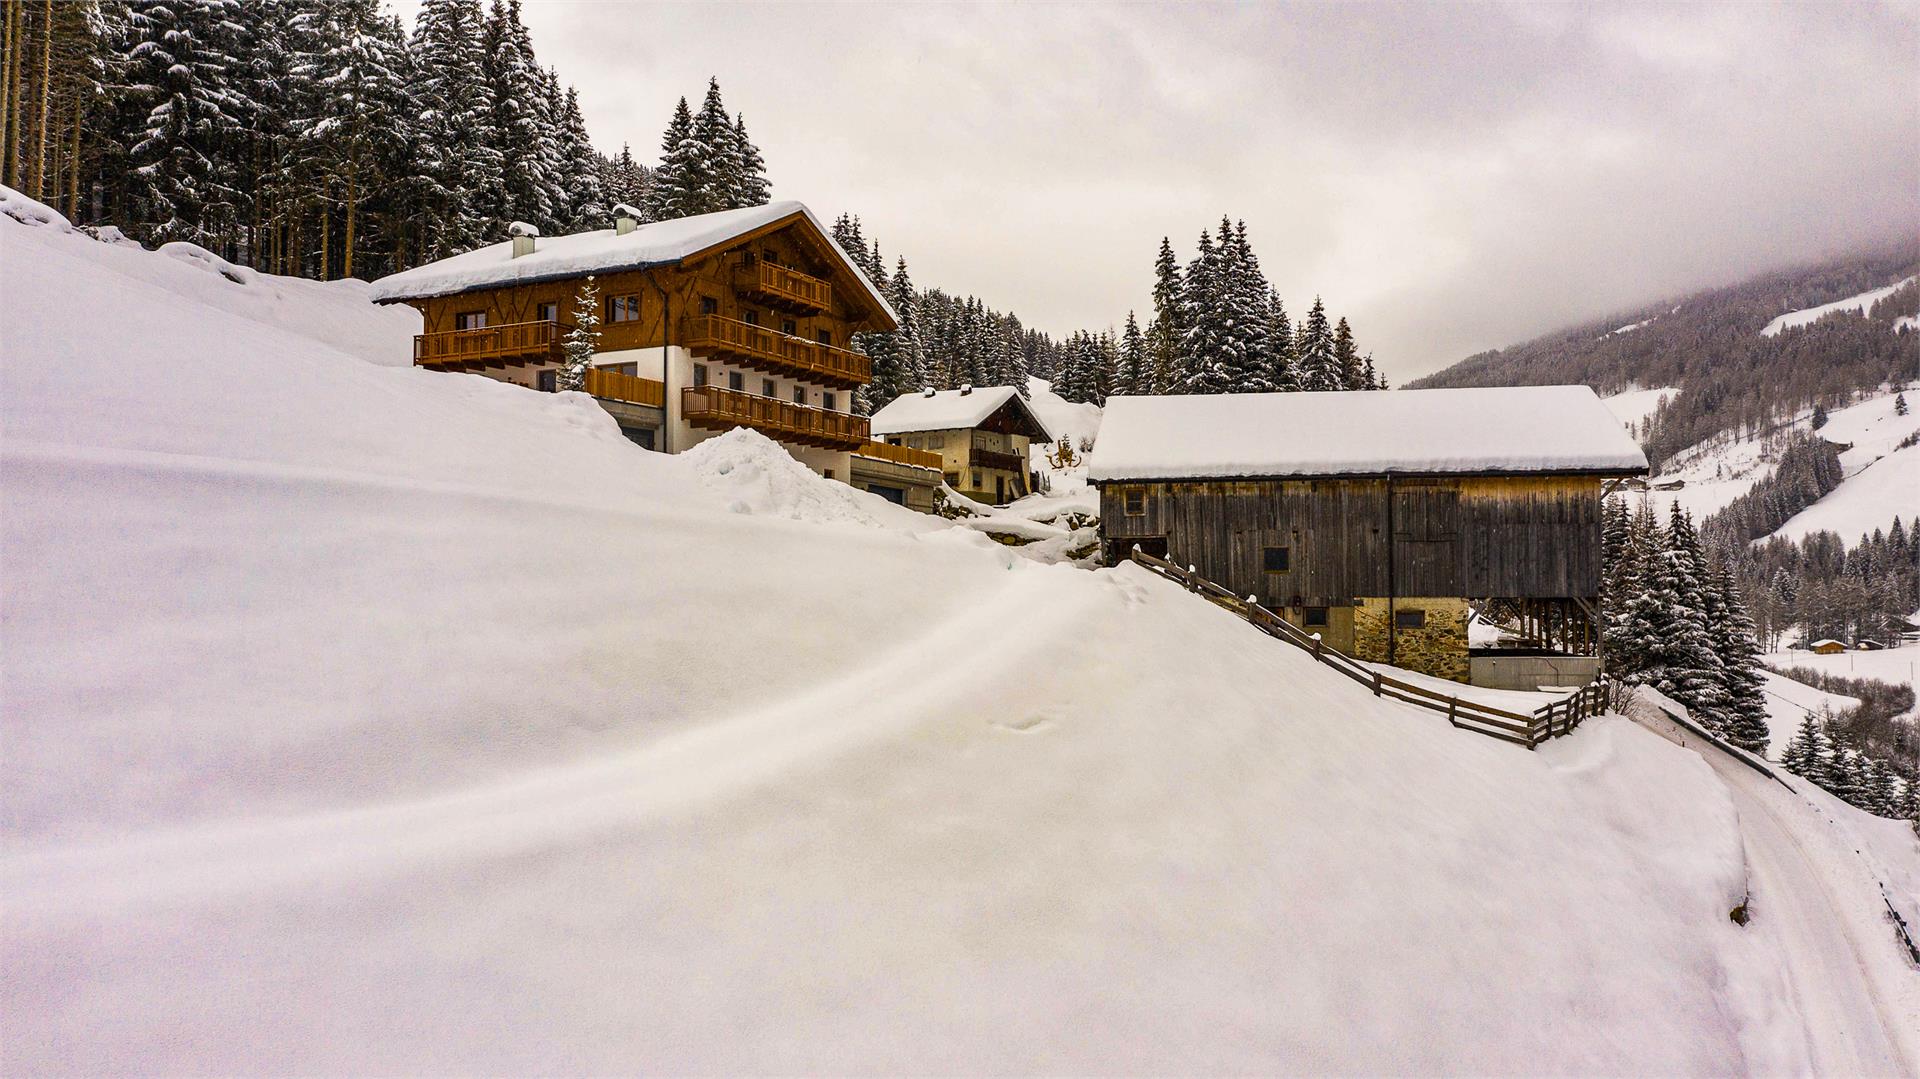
(1817,906)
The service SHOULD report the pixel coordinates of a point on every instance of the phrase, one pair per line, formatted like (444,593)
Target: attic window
(1277,559)
(1414,619)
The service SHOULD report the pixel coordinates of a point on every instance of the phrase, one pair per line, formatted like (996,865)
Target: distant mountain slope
(1713,346)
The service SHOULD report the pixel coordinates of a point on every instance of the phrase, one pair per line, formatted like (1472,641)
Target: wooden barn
(1451,532)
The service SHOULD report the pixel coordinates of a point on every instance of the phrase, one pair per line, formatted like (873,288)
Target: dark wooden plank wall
(1475,537)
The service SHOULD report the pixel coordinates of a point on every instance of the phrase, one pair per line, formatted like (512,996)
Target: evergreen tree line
(1809,468)
(1830,590)
(1674,620)
(944,341)
(319,138)
(1857,777)
(1219,327)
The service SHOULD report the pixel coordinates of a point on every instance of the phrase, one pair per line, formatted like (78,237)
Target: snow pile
(1076,420)
(1506,429)
(373,720)
(755,476)
(600,251)
(1807,316)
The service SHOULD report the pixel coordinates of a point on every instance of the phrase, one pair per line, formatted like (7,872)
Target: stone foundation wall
(1438,648)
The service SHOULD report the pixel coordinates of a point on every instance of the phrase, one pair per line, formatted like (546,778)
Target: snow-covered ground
(1882,480)
(363,719)
(1895,665)
(1632,407)
(1807,316)
(1789,702)
(1722,469)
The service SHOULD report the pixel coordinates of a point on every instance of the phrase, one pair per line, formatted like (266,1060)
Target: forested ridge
(1709,344)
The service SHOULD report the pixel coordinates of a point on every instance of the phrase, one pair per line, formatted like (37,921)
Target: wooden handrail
(782,419)
(787,283)
(514,338)
(986,458)
(615,386)
(1521,729)
(807,358)
(902,455)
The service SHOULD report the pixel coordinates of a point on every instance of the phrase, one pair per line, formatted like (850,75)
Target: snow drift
(362,719)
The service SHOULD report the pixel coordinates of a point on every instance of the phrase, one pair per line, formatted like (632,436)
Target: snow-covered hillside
(1860,304)
(1632,407)
(1721,470)
(363,719)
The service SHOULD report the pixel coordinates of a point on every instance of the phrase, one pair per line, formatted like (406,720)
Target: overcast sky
(1450,177)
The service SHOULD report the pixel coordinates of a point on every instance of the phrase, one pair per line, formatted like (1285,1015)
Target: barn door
(1426,541)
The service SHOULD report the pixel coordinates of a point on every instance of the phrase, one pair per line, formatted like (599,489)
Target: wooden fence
(1521,728)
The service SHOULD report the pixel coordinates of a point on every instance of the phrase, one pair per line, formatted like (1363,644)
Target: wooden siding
(1477,537)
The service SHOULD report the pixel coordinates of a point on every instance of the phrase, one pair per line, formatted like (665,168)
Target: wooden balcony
(985,458)
(719,410)
(512,345)
(901,455)
(614,386)
(762,349)
(782,287)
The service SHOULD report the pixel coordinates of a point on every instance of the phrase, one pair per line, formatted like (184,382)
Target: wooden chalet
(981,435)
(1383,520)
(735,319)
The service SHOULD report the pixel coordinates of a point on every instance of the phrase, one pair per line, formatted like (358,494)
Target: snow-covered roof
(659,243)
(1518,429)
(946,410)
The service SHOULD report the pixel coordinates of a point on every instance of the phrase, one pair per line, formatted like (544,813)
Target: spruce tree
(1208,352)
(713,179)
(1167,330)
(1352,375)
(752,168)
(1282,358)
(583,339)
(681,172)
(1313,345)
(1134,370)
(179,71)
(461,147)
(1742,681)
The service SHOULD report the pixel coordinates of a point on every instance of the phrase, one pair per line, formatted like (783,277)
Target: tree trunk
(353,194)
(46,102)
(10,147)
(326,241)
(73,155)
(7,48)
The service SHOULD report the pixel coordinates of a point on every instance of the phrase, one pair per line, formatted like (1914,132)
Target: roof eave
(1497,473)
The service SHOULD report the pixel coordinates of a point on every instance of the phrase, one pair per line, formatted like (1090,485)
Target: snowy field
(1895,665)
(1632,407)
(1807,316)
(366,719)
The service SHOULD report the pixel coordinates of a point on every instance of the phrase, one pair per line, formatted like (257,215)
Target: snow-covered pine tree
(1346,359)
(681,171)
(179,70)
(1167,329)
(1805,754)
(1744,686)
(1819,415)
(587,205)
(524,128)
(622,179)
(1282,361)
(1900,404)
(754,189)
(913,351)
(357,109)
(1313,347)
(583,339)
(1133,372)
(461,146)
(1369,376)
(1208,353)
(720,179)
(1704,689)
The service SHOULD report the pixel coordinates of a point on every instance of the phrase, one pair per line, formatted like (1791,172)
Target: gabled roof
(947,410)
(1495,431)
(659,243)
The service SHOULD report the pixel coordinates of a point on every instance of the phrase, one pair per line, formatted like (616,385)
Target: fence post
(1453,711)
(1376,683)
(1318,658)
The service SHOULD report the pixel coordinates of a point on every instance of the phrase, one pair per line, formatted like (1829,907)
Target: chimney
(625,219)
(523,236)
(928,392)
(966,389)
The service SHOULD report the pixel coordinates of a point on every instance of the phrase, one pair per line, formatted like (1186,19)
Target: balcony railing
(763,349)
(614,386)
(716,409)
(783,287)
(986,458)
(901,455)
(490,346)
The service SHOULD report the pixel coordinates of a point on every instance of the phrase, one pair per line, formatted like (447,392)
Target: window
(751,318)
(953,479)
(1277,559)
(936,442)
(1313,616)
(470,320)
(623,369)
(699,374)
(976,480)
(736,381)
(772,256)
(799,395)
(746,258)
(789,327)
(623,308)
(1409,619)
(828,400)
(1134,503)
(548,312)
(549,381)
(709,305)
(828,473)
(769,388)
(825,337)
